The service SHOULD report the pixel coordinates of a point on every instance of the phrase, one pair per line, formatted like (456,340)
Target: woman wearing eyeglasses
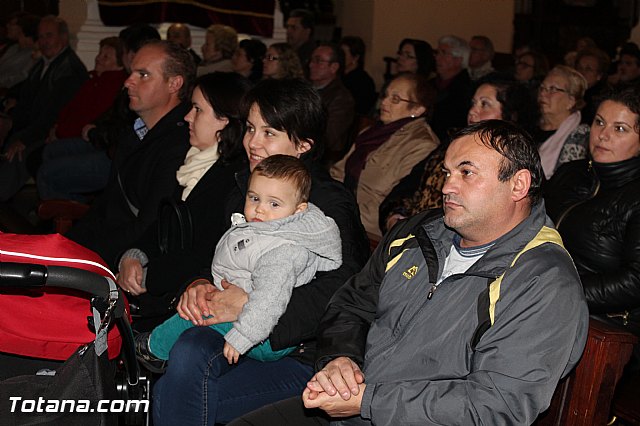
(560,135)
(281,61)
(386,152)
(415,56)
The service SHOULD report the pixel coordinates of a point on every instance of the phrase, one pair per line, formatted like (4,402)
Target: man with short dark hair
(300,25)
(480,57)
(467,316)
(51,83)
(629,64)
(325,70)
(143,171)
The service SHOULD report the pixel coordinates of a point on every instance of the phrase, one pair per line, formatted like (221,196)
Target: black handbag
(175,227)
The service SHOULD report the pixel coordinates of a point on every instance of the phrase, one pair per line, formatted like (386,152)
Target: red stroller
(46,317)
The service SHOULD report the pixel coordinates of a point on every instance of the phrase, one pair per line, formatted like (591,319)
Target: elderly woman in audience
(281,61)
(386,152)
(593,64)
(220,43)
(355,78)
(190,224)
(247,59)
(560,136)
(283,117)
(495,98)
(595,204)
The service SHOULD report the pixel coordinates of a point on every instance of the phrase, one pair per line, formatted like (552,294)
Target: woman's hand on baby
(193,304)
(225,306)
(230,353)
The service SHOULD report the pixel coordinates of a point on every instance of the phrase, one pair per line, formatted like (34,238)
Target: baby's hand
(230,353)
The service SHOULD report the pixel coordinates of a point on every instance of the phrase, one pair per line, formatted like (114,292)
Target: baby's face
(271,199)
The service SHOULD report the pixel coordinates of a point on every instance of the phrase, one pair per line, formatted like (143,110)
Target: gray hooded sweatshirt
(269,259)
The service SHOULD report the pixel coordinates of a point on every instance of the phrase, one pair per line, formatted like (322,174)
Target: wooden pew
(584,397)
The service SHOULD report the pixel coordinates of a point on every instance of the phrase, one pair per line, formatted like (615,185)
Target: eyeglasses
(523,64)
(406,55)
(551,90)
(395,99)
(316,60)
(271,58)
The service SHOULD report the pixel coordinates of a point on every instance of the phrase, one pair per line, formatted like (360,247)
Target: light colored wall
(75,13)
(383,23)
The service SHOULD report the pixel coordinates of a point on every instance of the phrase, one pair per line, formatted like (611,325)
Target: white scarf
(551,148)
(196,164)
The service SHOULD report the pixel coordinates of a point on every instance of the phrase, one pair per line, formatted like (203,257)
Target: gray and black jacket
(454,358)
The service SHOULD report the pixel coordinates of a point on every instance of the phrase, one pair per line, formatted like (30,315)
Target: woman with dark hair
(416,56)
(595,204)
(531,67)
(247,59)
(355,78)
(495,98)
(191,222)
(386,152)
(283,117)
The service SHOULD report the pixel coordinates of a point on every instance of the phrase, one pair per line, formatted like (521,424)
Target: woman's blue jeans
(201,388)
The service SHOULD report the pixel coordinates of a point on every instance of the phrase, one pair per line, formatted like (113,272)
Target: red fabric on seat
(50,324)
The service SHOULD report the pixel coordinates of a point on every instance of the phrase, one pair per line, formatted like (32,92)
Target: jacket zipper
(591,196)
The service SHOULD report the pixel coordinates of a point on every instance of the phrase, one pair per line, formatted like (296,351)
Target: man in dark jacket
(51,83)
(471,317)
(325,69)
(453,86)
(144,168)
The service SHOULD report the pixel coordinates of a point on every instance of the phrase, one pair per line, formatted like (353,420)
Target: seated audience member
(247,59)
(300,26)
(87,171)
(415,56)
(480,57)
(593,64)
(181,34)
(144,167)
(269,250)
(582,43)
(52,82)
(66,151)
(386,152)
(469,315)
(15,62)
(494,99)
(284,117)
(220,43)
(325,69)
(560,136)
(531,68)
(629,64)
(453,86)
(155,267)
(595,203)
(281,61)
(355,78)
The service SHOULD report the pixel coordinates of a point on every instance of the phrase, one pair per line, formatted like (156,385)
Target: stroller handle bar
(27,275)
(33,276)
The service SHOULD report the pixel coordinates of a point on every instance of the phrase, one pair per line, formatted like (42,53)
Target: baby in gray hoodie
(280,243)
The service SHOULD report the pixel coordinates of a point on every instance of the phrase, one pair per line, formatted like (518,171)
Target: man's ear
(335,67)
(521,183)
(175,83)
(301,207)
